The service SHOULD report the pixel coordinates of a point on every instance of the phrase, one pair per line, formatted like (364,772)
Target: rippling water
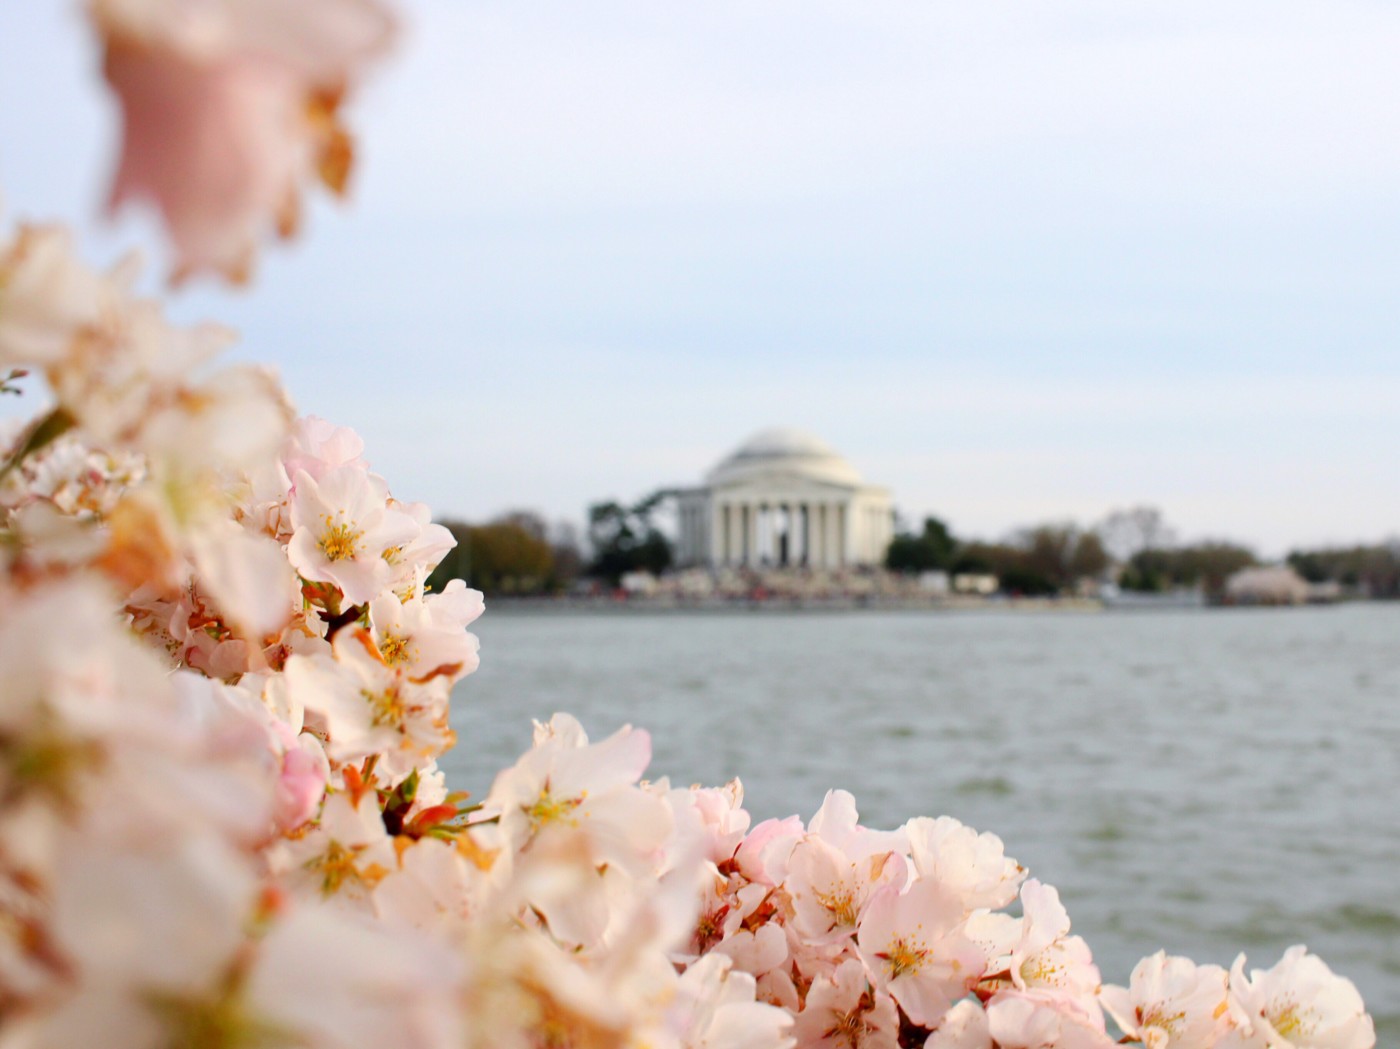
(1207,782)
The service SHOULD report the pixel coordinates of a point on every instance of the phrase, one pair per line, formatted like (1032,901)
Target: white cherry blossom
(1299,1004)
(964,1026)
(341,530)
(973,866)
(1171,1003)
(1047,962)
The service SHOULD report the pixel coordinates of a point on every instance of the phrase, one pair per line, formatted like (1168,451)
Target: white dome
(787,452)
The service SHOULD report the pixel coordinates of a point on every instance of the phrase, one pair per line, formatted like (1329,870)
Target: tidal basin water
(1204,781)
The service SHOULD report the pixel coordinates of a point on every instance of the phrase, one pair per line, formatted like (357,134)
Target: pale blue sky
(1017,260)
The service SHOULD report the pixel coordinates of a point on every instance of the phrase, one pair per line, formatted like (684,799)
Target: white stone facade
(783,499)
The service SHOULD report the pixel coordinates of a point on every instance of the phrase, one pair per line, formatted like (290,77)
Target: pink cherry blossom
(715,1009)
(844,1011)
(302,783)
(830,889)
(316,446)
(1017,1021)
(911,945)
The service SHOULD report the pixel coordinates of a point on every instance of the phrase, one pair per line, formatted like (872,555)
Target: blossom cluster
(876,939)
(227,687)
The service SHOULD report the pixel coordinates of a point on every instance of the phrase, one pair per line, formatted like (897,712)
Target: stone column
(848,533)
(717,535)
(751,529)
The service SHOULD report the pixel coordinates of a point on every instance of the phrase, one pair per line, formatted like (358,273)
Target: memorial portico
(784,498)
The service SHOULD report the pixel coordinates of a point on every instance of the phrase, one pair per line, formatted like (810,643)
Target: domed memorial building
(784,498)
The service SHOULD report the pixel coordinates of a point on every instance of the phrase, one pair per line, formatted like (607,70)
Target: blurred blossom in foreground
(229,109)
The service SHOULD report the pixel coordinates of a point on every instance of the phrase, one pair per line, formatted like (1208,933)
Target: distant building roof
(788,451)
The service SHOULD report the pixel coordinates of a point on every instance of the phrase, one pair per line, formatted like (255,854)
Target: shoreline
(773,605)
(608,606)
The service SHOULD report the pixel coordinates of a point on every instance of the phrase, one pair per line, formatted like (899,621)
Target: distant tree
(1089,560)
(626,540)
(978,557)
(501,557)
(1372,569)
(1203,565)
(1062,554)
(934,548)
(1135,578)
(1009,562)
(1132,530)
(568,558)
(528,521)
(507,559)
(1019,579)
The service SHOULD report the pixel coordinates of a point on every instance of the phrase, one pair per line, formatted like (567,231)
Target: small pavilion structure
(784,499)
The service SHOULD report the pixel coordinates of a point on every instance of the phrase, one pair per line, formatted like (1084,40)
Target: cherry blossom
(566,782)
(973,866)
(1171,1003)
(844,1011)
(911,944)
(342,529)
(834,870)
(964,1026)
(715,1009)
(1049,964)
(425,636)
(1299,1003)
(1019,1021)
(346,855)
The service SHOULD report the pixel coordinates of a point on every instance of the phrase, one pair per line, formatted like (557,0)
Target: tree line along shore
(1130,557)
